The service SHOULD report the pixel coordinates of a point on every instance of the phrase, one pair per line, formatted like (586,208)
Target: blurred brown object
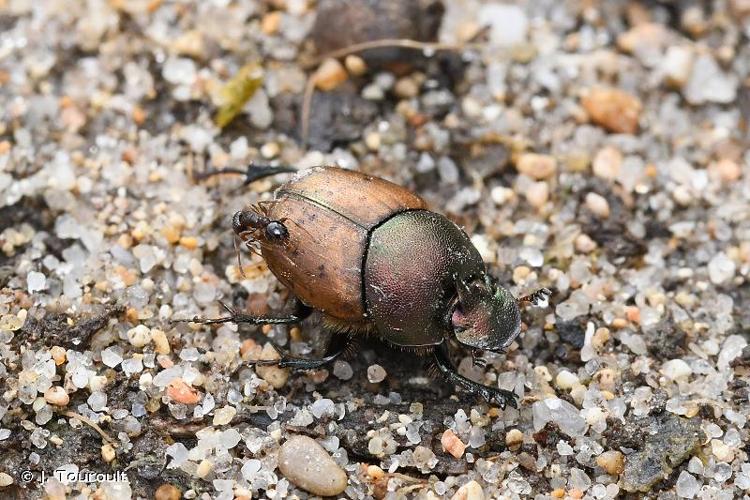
(343,23)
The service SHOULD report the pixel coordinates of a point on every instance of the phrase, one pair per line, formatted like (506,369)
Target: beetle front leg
(539,298)
(500,396)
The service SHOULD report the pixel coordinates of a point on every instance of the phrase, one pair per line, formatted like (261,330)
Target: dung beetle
(372,258)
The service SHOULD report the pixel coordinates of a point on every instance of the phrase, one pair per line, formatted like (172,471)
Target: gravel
(596,149)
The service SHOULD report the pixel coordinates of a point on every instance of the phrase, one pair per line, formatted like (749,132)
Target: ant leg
(252,173)
(336,348)
(500,396)
(301,312)
(538,298)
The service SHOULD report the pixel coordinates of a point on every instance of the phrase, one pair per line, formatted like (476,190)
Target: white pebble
(721,268)
(376,374)
(598,205)
(36,281)
(676,369)
(139,336)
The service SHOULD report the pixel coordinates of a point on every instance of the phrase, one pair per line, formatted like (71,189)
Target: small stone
(355,65)
(613,462)
(537,194)
(272,374)
(112,356)
(224,415)
(566,380)
(406,88)
(323,408)
(108,453)
(35,282)
(167,492)
(5,480)
(584,243)
(613,109)
(721,268)
(514,438)
(376,374)
(161,343)
(676,65)
(270,150)
(205,467)
(707,83)
(179,390)
(452,444)
(330,75)
(470,491)
(675,369)
(179,71)
(305,463)
(537,166)
(722,451)
(725,170)
(59,354)
(375,472)
(607,163)
(342,370)
(270,22)
(501,195)
(139,336)
(598,205)
(57,396)
(671,440)
(372,141)
(508,23)
(687,486)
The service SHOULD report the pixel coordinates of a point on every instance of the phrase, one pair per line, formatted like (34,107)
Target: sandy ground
(597,148)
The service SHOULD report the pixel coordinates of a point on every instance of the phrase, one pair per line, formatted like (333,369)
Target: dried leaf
(237,91)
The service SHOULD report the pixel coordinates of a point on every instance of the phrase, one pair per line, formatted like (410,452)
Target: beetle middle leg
(337,347)
(300,312)
(500,396)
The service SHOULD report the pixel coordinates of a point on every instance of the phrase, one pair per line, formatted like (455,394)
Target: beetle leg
(252,173)
(500,396)
(477,359)
(300,313)
(538,298)
(337,347)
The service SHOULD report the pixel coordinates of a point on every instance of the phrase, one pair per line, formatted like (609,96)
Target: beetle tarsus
(477,359)
(500,396)
(301,312)
(538,298)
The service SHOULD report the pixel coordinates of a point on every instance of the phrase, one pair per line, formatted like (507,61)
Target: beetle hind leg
(500,396)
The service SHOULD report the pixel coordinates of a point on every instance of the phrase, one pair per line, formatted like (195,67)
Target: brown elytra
(333,211)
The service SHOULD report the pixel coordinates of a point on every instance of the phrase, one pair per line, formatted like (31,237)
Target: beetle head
(485,315)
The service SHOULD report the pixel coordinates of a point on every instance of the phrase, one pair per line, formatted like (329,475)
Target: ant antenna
(239,255)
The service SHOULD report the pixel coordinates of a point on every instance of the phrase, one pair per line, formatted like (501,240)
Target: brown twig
(306,105)
(92,424)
